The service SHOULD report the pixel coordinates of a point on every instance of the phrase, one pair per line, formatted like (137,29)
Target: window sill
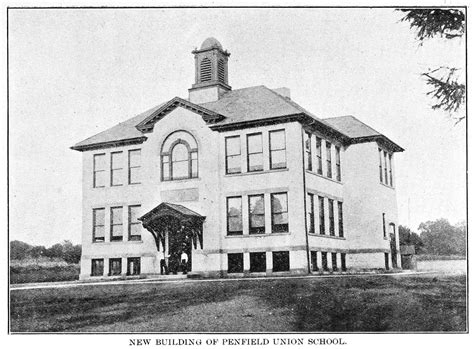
(255,235)
(324,177)
(327,236)
(256,172)
(180,180)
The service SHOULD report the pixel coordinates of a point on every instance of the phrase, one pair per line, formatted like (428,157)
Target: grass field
(350,304)
(43,270)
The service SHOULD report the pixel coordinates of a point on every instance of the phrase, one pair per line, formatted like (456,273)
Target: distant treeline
(66,251)
(436,238)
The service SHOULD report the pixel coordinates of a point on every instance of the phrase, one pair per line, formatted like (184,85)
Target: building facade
(243,181)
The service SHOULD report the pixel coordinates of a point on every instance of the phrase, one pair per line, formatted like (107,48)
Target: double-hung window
(116,223)
(277,149)
(134,166)
(99,171)
(322,228)
(234,215)
(254,152)
(390,169)
(232,155)
(134,224)
(319,156)
(98,223)
(338,163)
(116,168)
(256,214)
(331,217)
(380,166)
(340,219)
(383,226)
(328,159)
(279,205)
(310,215)
(307,148)
(385,166)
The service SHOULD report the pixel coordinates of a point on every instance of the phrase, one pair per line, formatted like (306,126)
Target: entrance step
(167,277)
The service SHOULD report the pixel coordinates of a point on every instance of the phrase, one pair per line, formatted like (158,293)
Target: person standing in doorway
(184,262)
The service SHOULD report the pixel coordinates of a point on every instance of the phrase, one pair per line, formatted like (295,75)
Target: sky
(74,73)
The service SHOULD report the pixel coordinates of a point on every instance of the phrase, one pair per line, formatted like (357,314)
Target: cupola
(211,73)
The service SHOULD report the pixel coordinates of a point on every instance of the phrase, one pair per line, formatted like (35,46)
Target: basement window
(258,262)
(133,266)
(314,261)
(235,263)
(281,261)
(324,260)
(115,266)
(97,267)
(334,261)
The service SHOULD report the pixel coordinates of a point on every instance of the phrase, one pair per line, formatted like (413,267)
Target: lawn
(350,304)
(42,270)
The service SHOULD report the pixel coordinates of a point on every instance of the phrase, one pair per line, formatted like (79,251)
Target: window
(221,70)
(380,166)
(206,70)
(134,224)
(338,163)
(116,168)
(307,147)
(254,152)
(324,260)
(115,266)
(387,265)
(310,215)
(234,216)
(134,166)
(258,262)
(279,204)
(133,266)
(232,155)
(383,226)
(314,261)
(179,157)
(281,261)
(277,149)
(97,267)
(340,219)
(334,261)
(235,263)
(385,166)
(319,156)
(116,224)
(390,169)
(98,224)
(328,159)
(99,171)
(256,214)
(322,228)
(331,217)
(343,262)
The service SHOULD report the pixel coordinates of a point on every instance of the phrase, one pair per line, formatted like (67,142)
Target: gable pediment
(209,116)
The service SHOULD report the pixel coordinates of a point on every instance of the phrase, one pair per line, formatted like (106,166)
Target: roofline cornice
(384,140)
(110,144)
(148,123)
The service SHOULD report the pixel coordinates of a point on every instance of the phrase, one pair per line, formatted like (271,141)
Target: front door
(178,242)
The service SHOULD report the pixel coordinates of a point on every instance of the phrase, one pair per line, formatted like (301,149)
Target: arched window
(179,157)
(221,70)
(206,70)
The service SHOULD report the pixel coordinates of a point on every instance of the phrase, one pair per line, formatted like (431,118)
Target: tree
(408,237)
(441,238)
(55,251)
(19,249)
(449,93)
(71,253)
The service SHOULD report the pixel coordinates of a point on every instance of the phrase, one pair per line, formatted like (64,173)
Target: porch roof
(167,209)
